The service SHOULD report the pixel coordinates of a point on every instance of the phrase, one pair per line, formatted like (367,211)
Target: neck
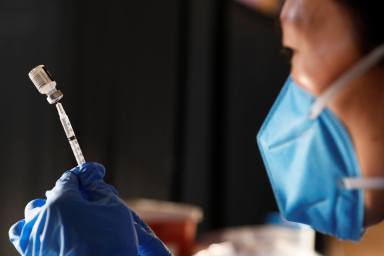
(363,95)
(360,107)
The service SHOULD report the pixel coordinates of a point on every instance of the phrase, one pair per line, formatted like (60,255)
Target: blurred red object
(174,223)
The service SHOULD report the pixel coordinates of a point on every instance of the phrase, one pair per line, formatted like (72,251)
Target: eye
(288,52)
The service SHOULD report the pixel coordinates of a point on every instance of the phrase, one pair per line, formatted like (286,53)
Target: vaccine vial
(45,84)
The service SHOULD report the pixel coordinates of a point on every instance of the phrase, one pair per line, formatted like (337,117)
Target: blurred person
(323,141)
(319,159)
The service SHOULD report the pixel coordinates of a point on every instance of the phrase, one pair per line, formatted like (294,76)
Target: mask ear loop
(362,183)
(359,69)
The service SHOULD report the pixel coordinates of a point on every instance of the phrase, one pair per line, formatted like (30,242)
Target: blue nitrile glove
(83,216)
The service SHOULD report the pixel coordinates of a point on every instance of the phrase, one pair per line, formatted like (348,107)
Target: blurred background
(168,95)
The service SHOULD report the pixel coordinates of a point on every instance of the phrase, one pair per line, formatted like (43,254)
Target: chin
(303,80)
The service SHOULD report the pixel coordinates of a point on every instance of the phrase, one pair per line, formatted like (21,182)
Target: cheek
(319,64)
(306,72)
(324,43)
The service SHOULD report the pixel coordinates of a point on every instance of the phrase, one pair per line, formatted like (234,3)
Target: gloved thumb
(67,185)
(91,180)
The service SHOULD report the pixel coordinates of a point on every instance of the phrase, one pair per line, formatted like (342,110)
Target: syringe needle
(70,134)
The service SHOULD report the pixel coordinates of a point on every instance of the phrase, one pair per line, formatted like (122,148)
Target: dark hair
(368,19)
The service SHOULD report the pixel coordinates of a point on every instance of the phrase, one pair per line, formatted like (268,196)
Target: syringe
(70,134)
(45,84)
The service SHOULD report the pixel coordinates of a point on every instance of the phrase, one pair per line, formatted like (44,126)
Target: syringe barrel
(70,134)
(77,151)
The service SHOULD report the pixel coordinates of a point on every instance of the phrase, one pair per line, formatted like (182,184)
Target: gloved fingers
(33,208)
(19,233)
(15,231)
(91,178)
(66,186)
(15,235)
(149,244)
(90,171)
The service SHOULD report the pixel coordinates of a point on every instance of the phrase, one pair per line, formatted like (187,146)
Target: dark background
(168,95)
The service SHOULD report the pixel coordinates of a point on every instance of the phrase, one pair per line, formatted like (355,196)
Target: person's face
(321,36)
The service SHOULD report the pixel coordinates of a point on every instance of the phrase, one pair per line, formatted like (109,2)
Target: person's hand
(83,216)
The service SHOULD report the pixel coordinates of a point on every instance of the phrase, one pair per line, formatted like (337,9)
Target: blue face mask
(311,162)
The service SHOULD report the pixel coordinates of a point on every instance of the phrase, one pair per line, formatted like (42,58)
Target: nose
(292,11)
(284,11)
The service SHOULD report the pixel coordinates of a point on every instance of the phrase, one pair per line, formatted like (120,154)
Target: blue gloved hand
(82,216)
